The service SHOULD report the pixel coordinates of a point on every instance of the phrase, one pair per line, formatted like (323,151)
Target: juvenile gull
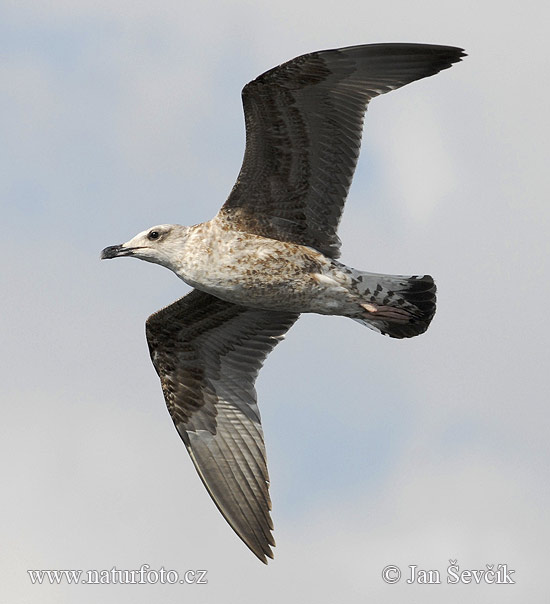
(270,254)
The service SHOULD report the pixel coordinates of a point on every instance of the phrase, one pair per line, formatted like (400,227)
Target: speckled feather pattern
(270,254)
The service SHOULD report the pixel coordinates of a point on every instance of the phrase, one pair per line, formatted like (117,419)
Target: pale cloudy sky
(119,115)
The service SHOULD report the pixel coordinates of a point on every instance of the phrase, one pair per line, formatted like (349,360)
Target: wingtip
(452,54)
(461,53)
(262,550)
(268,556)
(260,546)
(264,556)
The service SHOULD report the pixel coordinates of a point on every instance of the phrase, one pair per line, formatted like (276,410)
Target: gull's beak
(114,251)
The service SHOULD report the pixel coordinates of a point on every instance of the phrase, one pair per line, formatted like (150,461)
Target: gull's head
(162,244)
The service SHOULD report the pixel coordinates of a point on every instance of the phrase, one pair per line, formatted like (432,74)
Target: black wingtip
(423,60)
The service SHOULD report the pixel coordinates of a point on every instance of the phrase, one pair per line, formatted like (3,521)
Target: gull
(270,254)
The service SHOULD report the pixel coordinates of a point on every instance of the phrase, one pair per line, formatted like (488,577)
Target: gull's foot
(387,313)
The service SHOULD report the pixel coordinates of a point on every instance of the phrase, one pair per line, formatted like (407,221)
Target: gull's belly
(264,273)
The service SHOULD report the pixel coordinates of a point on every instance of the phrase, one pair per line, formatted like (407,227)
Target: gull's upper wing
(207,353)
(304,121)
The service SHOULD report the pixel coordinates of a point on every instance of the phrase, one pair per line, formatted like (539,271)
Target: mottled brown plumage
(304,121)
(269,255)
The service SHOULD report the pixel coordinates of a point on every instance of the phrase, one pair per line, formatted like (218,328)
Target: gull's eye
(153,235)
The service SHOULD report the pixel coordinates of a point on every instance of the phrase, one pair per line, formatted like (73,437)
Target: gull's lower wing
(207,353)
(304,122)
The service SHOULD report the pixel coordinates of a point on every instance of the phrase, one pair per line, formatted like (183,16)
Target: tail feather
(397,306)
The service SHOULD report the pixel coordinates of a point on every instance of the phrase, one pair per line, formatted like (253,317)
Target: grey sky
(120,115)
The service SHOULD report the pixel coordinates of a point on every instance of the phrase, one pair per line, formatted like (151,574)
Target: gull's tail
(397,306)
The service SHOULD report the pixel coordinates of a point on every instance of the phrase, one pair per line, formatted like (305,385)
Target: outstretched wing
(304,121)
(207,353)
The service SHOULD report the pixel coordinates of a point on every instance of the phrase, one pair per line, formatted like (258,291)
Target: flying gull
(269,255)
